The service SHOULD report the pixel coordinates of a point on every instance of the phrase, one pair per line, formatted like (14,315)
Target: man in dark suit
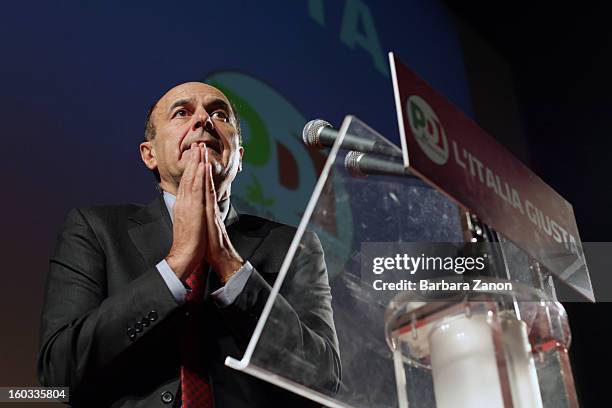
(144,303)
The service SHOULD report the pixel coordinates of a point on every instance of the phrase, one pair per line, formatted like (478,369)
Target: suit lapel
(243,240)
(151,232)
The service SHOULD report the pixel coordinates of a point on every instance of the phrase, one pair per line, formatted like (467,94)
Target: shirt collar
(170,199)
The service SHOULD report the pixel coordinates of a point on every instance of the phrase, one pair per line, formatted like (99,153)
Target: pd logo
(427,129)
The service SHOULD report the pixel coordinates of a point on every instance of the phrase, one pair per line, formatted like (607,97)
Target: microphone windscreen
(310,133)
(351,163)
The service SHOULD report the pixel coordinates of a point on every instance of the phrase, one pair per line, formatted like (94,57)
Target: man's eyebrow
(181,102)
(220,103)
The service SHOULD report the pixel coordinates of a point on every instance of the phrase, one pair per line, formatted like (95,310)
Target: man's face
(189,113)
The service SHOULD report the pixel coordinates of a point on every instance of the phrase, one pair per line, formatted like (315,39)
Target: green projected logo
(279,172)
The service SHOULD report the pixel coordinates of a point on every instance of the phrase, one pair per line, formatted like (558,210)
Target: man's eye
(220,115)
(180,112)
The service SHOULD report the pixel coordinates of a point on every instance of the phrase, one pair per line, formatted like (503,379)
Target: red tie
(195,389)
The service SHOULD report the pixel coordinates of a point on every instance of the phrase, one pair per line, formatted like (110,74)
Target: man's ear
(241,152)
(147,154)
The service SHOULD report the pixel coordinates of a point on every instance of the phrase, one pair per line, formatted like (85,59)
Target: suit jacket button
(152,316)
(131,333)
(145,322)
(167,397)
(138,327)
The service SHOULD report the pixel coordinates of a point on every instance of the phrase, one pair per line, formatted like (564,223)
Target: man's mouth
(211,144)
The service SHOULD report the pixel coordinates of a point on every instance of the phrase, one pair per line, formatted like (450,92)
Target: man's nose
(203,119)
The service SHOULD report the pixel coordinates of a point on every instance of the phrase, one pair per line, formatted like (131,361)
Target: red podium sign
(450,151)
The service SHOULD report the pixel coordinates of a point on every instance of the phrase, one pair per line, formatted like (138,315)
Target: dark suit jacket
(111,329)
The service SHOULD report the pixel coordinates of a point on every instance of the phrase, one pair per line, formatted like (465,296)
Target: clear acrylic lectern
(400,349)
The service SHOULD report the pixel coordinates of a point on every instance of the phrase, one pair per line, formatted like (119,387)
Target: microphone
(320,133)
(359,164)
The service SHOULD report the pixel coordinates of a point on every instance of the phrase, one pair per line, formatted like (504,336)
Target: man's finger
(211,207)
(198,183)
(192,164)
(210,184)
(181,186)
(207,183)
